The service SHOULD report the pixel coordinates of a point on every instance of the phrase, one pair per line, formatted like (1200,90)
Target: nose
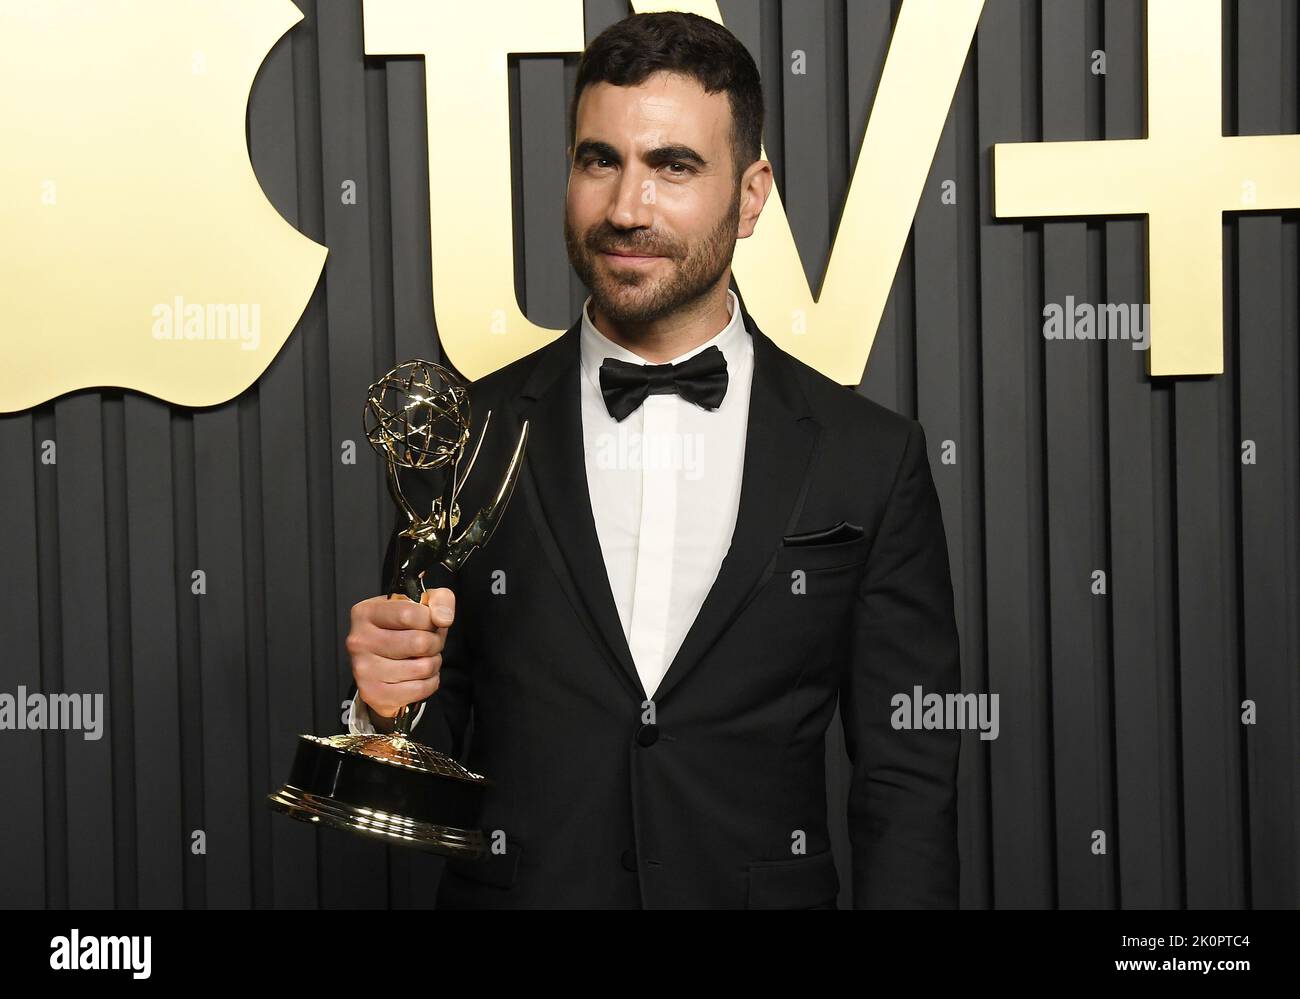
(632,206)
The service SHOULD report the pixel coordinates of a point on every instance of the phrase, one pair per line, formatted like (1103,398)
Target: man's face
(651,175)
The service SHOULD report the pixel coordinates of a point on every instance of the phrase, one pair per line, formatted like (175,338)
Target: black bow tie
(701,379)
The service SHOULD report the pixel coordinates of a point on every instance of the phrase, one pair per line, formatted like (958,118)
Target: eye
(685,169)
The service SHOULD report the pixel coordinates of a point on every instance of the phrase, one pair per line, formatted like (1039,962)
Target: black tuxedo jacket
(836,585)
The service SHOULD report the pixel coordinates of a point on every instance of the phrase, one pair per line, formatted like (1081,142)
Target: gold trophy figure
(389,786)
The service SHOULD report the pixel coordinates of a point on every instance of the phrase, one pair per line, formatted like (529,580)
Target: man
(698,560)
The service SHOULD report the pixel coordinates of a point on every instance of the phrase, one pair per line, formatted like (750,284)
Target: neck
(671,336)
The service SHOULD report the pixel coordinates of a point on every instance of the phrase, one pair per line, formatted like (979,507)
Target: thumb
(443,602)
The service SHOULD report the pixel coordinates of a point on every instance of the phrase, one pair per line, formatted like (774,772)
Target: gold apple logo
(136,247)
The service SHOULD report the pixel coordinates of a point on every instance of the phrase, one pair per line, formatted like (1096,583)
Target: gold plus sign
(1184,175)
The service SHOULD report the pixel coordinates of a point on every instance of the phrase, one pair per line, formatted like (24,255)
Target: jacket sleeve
(902,798)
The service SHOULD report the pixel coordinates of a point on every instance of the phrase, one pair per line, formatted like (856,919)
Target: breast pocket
(821,556)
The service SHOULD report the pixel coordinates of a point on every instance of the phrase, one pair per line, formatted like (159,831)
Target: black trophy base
(388,788)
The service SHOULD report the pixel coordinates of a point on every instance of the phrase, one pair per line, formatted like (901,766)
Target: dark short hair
(628,52)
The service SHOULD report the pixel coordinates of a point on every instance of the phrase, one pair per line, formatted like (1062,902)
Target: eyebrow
(655,157)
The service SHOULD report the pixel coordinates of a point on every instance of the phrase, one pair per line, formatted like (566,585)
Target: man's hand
(396,649)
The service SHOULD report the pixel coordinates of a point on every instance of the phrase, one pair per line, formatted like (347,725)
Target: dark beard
(703,266)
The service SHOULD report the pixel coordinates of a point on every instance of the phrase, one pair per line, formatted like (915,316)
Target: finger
(388,697)
(398,613)
(401,644)
(380,669)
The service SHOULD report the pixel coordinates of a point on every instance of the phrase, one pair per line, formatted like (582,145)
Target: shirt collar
(596,346)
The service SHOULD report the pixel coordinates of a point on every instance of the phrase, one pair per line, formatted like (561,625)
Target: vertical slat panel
(161,840)
(975,816)
(188,663)
(121,723)
(83,614)
(1208,661)
(1020,759)
(22,885)
(1080,691)
(223,664)
(1146,836)
(249,415)
(50,647)
(1271,595)
(946,409)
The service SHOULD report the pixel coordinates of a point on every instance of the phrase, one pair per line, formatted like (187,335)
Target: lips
(630,258)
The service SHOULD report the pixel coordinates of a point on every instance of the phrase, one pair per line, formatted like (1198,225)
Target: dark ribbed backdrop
(1118,713)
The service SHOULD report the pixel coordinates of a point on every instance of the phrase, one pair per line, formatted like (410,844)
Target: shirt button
(647,735)
(628,860)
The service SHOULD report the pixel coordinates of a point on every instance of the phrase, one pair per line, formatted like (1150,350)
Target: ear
(755,186)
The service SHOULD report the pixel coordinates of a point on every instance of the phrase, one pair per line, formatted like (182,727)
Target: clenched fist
(396,649)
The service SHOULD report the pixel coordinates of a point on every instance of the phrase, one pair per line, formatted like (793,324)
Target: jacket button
(629,861)
(647,735)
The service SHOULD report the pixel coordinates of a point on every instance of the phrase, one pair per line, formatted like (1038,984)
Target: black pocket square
(843,531)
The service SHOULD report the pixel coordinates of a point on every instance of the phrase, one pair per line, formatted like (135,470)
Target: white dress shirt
(664,489)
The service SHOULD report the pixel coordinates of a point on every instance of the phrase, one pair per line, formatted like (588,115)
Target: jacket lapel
(779,444)
(556,469)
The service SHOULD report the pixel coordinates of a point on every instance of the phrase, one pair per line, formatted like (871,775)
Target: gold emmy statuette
(390,787)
